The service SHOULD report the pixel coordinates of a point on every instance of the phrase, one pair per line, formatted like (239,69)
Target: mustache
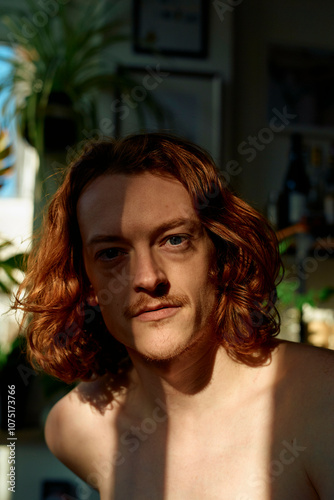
(146,302)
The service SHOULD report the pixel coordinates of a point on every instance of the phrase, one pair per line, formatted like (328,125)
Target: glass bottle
(296,185)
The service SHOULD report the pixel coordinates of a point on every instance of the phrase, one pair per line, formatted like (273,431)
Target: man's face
(148,259)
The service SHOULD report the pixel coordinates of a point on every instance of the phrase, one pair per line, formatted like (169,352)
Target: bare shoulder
(307,373)
(314,364)
(78,422)
(307,383)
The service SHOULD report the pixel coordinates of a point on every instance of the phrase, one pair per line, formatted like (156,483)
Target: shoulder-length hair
(66,334)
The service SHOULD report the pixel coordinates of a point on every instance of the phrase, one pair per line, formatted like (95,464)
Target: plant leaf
(16,261)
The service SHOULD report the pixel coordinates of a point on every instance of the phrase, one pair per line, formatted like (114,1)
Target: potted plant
(58,71)
(60,62)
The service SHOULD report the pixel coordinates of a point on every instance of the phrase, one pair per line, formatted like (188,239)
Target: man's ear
(92,299)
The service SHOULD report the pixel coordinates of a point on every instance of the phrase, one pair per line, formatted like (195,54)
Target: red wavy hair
(66,335)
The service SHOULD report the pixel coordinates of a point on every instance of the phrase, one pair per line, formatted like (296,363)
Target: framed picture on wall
(182,103)
(173,27)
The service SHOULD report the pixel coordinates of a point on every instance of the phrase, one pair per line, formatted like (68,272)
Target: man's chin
(156,357)
(166,355)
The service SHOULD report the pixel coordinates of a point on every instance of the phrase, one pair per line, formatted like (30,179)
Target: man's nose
(148,273)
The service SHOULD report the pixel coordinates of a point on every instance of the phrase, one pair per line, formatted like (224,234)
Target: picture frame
(173,27)
(187,104)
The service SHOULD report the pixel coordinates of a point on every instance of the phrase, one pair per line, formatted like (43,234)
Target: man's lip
(157,307)
(157,314)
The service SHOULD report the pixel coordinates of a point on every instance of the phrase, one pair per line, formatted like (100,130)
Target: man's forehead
(119,183)
(119,201)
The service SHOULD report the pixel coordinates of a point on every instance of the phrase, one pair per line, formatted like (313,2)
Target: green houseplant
(60,61)
(293,297)
(288,290)
(58,70)
(11,265)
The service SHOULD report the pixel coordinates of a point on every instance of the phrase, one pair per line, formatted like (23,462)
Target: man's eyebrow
(191,224)
(103,238)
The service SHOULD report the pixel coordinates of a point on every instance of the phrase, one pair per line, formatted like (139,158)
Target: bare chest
(241,460)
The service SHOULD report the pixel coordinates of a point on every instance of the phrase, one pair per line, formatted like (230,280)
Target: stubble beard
(178,353)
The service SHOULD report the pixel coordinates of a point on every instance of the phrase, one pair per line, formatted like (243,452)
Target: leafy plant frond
(63,55)
(287,290)
(9,266)
(16,261)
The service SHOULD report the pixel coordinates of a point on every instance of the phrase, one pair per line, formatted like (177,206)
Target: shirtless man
(155,286)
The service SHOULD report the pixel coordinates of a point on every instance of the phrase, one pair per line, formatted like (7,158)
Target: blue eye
(176,240)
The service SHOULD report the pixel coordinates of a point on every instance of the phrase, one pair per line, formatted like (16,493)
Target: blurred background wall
(258,25)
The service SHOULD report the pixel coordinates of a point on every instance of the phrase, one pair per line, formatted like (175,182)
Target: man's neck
(198,379)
